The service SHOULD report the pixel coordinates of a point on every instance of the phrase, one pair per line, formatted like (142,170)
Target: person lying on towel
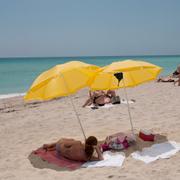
(76,150)
(174,77)
(100,98)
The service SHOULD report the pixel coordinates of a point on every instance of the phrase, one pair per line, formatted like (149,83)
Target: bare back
(72,149)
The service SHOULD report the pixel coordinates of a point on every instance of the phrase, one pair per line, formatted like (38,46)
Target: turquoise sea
(17,74)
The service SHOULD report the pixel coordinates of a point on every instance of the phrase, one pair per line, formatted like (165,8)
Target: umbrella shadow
(39,163)
(140,144)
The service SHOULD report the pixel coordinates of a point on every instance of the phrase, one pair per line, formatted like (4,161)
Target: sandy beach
(25,127)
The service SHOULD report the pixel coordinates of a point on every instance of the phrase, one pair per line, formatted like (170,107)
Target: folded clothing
(53,158)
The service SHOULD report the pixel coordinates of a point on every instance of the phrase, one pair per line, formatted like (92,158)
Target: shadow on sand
(39,163)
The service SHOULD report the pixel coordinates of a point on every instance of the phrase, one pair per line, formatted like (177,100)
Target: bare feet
(45,147)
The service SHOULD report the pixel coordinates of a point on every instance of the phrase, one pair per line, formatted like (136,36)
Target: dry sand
(25,127)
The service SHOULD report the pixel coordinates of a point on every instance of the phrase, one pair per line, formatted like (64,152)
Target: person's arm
(99,154)
(102,92)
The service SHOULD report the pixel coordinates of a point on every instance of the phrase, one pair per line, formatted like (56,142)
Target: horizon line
(88,56)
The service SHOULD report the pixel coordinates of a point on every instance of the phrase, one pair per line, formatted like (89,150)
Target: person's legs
(88,102)
(49,147)
(165,79)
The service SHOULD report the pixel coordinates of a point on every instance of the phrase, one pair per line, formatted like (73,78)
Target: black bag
(115,100)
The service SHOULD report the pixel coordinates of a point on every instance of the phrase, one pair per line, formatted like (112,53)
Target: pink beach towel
(51,157)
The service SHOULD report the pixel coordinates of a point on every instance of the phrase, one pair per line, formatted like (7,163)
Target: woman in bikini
(174,77)
(76,150)
(99,98)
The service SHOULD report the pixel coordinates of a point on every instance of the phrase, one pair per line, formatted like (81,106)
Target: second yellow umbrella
(134,73)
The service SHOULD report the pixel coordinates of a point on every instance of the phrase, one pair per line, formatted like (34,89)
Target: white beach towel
(123,101)
(110,159)
(156,151)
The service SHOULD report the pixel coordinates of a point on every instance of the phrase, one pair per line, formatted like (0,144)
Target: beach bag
(118,142)
(115,100)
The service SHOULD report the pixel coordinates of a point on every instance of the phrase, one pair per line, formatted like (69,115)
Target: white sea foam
(4,96)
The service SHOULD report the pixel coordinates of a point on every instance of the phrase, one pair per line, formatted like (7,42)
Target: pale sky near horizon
(89,27)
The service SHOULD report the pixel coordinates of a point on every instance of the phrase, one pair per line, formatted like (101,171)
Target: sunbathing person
(100,98)
(178,76)
(75,150)
(172,77)
(93,95)
(166,79)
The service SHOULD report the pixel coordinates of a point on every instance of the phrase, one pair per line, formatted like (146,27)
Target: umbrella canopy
(133,72)
(61,80)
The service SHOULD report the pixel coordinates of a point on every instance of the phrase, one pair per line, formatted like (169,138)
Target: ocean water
(17,74)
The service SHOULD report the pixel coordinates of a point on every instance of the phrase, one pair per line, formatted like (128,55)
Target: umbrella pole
(78,118)
(75,110)
(132,129)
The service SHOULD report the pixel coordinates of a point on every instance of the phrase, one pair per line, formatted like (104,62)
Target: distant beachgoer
(177,71)
(172,77)
(92,97)
(166,79)
(99,98)
(76,150)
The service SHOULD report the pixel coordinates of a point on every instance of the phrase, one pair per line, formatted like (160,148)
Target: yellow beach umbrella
(122,74)
(62,80)
(134,73)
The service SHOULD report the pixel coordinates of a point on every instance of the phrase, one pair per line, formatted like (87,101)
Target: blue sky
(89,27)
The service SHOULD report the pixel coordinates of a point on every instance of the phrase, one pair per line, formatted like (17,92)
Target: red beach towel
(51,157)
